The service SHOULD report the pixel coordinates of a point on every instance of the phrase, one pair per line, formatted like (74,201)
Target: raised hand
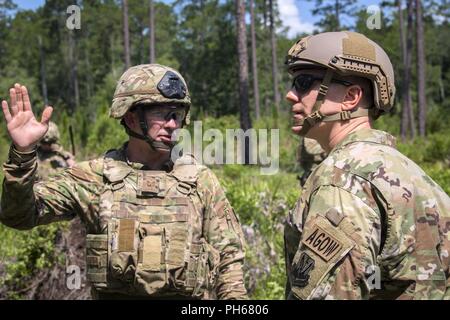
(23,128)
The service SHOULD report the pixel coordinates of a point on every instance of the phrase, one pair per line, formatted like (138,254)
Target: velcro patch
(322,243)
(126,234)
(302,270)
(323,246)
(152,253)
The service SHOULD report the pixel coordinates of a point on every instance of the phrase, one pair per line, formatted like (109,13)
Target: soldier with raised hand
(156,228)
(370,223)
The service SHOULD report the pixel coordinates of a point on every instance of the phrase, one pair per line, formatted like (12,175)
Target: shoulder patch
(322,247)
(323,243)
(302,270)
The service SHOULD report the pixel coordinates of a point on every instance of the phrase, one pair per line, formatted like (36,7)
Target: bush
(106,134)
(434,148)
(262,204)
(23,254)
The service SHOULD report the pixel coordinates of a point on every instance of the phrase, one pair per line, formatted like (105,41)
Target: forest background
(231,53)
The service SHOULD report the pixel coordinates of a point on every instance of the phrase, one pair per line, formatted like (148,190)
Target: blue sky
(296,14)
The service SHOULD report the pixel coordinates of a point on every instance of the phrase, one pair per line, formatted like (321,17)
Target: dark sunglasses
(303,82)
(166,115)
(161,113)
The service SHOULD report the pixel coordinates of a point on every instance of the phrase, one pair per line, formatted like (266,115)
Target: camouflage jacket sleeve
(26,203)
(337,254)
(224,233)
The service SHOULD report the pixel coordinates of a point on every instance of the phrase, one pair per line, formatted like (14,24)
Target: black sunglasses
(303,82)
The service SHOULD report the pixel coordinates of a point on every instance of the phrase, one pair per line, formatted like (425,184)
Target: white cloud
(290,17)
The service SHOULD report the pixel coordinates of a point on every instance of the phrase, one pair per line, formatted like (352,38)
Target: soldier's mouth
(165,138)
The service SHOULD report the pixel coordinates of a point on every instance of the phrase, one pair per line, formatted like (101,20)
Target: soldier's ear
(131,120)
(353,96)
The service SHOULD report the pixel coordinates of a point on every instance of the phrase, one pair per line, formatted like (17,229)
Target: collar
(122,156)
(367,135)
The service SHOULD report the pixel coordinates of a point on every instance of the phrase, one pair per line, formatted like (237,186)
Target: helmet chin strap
(154,145)
(316,116)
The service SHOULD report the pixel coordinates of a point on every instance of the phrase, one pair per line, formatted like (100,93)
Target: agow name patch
(322,243)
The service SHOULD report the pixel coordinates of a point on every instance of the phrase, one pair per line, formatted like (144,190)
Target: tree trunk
(336,9)
(73,74)
(126,35)
(89,82)
(265,14)
(140,51)
(274,58)
(407,78)
(441,84)
(243,73)
(404,123)
(43,72)
(421,75)
(112,52)
(151,26)
(254,61)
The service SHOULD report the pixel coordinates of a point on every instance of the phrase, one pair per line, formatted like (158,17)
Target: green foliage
(329,20)
(106,134)
(24,254)
(432,149)
(263,203)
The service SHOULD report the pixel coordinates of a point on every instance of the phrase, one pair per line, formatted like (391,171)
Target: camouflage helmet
(347,54)
(149,83)
(52,135)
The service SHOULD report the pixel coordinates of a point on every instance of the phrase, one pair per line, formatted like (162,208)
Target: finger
(26,99)
(46,114)
(6,111)
(19,97)
(12,96)
(296,108)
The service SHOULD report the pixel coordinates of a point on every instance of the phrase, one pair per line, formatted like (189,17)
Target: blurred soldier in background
(52,158)
(309,155)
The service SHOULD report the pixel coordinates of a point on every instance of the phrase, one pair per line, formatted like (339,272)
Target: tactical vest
(152,226)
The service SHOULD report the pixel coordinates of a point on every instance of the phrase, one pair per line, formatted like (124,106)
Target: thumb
(46,115)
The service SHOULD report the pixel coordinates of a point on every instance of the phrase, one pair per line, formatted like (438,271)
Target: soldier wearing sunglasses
(369,223)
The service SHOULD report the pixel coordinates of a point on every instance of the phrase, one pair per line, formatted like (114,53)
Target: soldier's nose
(171,123)
(292,96)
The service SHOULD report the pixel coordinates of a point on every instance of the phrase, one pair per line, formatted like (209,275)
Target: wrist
(28,149)
(21,158)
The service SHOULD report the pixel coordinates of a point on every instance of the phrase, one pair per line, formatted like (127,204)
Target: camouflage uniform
(309,155)
(70,240)
(365,207)
(370,223)
(151,234)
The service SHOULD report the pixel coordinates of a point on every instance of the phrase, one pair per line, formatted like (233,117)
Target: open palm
(23,128)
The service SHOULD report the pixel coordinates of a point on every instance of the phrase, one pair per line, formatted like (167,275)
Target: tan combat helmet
(52,135)
(344,53)
(149,84)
